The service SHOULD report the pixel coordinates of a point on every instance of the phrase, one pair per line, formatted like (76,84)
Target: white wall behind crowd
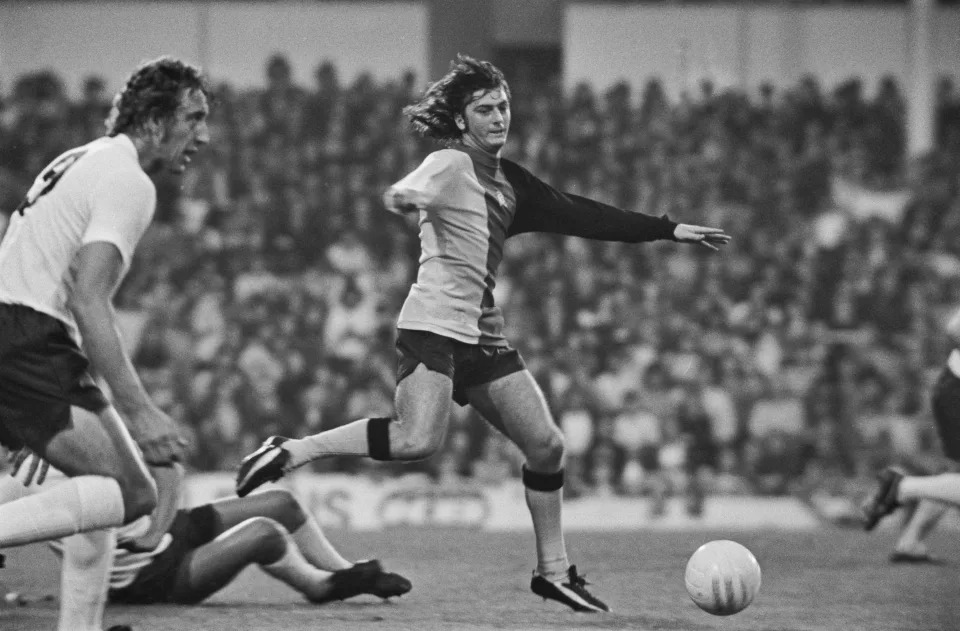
(231,40)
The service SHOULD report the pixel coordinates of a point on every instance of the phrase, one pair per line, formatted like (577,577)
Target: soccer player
(933,493)
(65,251)
(183,556)
(450,342)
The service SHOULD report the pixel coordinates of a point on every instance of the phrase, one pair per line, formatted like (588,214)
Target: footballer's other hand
(709,237)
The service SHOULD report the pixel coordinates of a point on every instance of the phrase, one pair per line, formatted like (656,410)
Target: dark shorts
(158,582)
(945,403)
(467,365)
(42,373)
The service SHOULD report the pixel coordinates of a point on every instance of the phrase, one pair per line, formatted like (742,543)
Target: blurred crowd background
(263,299)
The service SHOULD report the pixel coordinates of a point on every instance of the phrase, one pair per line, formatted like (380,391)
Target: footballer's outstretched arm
(542,208)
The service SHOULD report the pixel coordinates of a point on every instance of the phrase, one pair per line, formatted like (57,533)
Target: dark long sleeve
(542,208)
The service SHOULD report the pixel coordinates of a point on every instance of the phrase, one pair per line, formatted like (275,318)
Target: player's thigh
(515,405)
(423,401)
(277,504)
(212,566)
(95,444)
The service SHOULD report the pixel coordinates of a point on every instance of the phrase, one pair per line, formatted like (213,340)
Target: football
(722,577)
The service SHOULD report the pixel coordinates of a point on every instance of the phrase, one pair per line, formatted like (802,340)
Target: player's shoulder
(448,159)
(115,158)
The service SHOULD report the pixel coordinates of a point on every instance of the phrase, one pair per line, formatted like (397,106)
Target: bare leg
(515,405)
(944,487)
(921,523)
(263,541)
(108,486)
(99,444)
(280,506)
(423,410)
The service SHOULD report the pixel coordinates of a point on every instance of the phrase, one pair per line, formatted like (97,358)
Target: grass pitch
(471,580)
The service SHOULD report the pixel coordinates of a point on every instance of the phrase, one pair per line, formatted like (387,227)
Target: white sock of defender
(84,578)
(544,495)
(80,504)
(294,570)
(352,439)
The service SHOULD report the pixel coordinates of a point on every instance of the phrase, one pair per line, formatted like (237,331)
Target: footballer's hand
(709,237)
(158,437)
(37,466)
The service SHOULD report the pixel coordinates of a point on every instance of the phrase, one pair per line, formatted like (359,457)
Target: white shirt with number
(96,192)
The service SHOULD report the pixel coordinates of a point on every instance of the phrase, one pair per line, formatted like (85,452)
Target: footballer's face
(486,120)
(185,132)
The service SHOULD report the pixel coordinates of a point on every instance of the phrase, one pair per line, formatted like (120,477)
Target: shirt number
(49,178)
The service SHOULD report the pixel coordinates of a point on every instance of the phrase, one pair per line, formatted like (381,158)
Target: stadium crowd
(263,300)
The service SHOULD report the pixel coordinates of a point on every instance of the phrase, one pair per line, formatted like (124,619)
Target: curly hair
(435,114)
(153,93)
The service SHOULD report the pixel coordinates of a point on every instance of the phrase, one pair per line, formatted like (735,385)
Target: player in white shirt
(65,251)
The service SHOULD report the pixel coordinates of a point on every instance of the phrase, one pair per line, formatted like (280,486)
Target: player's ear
(153,129)
(461,124)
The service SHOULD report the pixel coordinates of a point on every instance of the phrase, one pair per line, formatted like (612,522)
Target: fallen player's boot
(388,584)
(573,592)
(264,465)
(884,498)
(361,578)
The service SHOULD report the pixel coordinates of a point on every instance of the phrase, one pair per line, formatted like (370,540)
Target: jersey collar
(480,156)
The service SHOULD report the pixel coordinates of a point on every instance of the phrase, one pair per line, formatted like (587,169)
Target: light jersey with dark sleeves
(469,203)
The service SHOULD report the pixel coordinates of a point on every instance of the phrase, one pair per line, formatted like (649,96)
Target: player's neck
(468,142)
(484,156)
(147,153)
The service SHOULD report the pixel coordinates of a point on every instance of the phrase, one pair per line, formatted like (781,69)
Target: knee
(282,506)
(547,453)
(268,538)
(417,445)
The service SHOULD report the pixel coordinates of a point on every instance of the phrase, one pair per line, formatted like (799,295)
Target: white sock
(346,440)
(81,504)
(85,575)
(944,488)
(296,571)
(546,510)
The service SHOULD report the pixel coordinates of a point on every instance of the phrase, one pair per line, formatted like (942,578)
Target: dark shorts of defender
(946,413)
(467,365)
(158,582)
(42,374)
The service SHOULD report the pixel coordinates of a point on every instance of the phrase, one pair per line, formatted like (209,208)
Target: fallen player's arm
(169,490)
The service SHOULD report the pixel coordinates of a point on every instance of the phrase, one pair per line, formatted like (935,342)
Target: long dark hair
(435,114)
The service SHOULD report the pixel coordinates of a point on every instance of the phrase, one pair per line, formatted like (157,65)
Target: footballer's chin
(497,140)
